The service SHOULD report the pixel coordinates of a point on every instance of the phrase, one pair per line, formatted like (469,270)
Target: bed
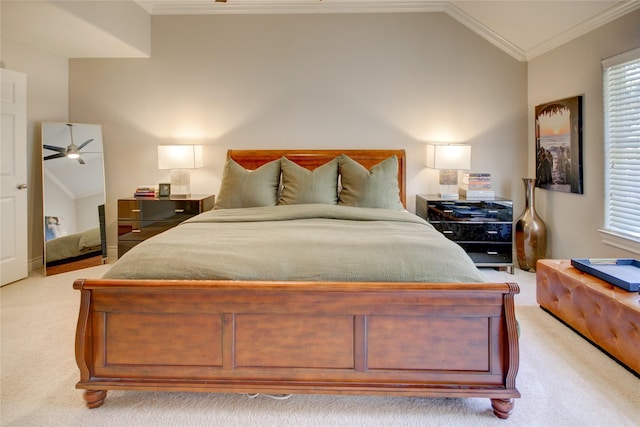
(73,251)
(74,245)
(76,251)
(281,294)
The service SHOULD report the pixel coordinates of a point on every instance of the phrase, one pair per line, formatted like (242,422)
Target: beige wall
(570,70)
(37,39)
(380,80)
(307,81)
(47,100)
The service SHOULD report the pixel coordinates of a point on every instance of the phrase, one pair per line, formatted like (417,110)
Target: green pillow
(300,185)
(374,188)
(242,188)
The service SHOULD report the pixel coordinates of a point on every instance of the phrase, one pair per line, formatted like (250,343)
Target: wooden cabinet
(483,228)
(142,217)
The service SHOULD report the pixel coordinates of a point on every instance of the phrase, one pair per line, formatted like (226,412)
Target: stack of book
(145,191)
(477,186)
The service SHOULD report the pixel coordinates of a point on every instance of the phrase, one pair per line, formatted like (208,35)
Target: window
(621,83)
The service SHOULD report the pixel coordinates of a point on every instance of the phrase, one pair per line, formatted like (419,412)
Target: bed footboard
(412,339)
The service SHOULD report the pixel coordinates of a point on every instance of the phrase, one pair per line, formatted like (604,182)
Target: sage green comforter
(300,242)
(73,245)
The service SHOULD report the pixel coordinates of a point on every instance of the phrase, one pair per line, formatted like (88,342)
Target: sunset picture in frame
(559,145)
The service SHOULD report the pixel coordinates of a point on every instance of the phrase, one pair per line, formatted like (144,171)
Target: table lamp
(449,159)
(180,158)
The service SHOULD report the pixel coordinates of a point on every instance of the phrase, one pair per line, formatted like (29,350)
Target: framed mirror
(73,196)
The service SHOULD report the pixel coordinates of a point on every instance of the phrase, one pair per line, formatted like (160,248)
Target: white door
(13,175)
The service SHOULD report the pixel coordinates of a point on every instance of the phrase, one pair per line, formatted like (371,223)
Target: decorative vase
(531,231)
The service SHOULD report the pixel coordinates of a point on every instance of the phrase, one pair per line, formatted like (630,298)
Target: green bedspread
(300,242)
(73,245)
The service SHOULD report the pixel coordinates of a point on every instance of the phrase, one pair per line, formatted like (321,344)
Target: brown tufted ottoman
(604,314)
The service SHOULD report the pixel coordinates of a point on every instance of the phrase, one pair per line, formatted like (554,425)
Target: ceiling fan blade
(54,156)
(54,148)
(85,143)
(80,160)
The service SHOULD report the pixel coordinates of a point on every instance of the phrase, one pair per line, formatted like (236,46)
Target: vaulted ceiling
(523,29)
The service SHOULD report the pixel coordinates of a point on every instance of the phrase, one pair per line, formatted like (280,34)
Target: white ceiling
(524,29)
(78,29)
(68,175)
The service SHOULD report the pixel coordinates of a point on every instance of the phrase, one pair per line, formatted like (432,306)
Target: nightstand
(142,217)
(483,228)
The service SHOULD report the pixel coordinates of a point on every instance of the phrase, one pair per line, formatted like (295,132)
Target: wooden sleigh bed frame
(354,338)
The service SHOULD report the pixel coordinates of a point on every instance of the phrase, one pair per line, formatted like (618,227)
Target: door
(13,177)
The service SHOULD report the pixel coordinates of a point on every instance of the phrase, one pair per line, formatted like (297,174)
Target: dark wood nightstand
(482,227)
(142,217)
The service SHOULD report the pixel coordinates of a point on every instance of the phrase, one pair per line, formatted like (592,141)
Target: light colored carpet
(563,379)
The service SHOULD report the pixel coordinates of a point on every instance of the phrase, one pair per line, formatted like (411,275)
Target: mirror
(73,196)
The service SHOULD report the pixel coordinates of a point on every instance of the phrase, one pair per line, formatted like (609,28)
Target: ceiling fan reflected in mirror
(72,151)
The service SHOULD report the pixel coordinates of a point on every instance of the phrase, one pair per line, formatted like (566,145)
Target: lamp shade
(179,156)
(449,156)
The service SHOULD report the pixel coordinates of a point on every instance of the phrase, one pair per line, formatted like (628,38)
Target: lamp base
(448,192)
(180,184)
(448,181)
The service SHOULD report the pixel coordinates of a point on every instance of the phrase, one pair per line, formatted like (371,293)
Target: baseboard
(112,254)
(36,263)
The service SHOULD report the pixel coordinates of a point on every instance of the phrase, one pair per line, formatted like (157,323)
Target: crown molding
(209,7)
(485,32)
(611,14)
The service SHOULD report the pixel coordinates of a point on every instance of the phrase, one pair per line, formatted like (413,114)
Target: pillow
(89,239)
(241,188)
(375,188)
(300,185)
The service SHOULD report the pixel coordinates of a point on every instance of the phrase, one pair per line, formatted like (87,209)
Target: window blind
(622,143)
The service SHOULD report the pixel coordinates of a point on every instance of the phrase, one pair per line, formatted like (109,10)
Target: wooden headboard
(311,159)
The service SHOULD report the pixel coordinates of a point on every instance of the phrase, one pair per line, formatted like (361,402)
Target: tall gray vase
(531,231)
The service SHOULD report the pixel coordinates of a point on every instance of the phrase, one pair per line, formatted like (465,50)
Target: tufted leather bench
(604,314)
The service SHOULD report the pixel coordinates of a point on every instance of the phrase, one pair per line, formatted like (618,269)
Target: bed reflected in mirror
(73,196)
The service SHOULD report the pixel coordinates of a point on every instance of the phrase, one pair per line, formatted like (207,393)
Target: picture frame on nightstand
(164,190)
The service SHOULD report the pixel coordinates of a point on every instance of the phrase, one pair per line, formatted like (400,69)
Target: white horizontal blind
(622,143)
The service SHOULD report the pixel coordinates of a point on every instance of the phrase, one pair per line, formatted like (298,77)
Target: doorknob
(21,186)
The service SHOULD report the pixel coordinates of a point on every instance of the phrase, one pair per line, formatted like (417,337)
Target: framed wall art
(559,145)
(164,190)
